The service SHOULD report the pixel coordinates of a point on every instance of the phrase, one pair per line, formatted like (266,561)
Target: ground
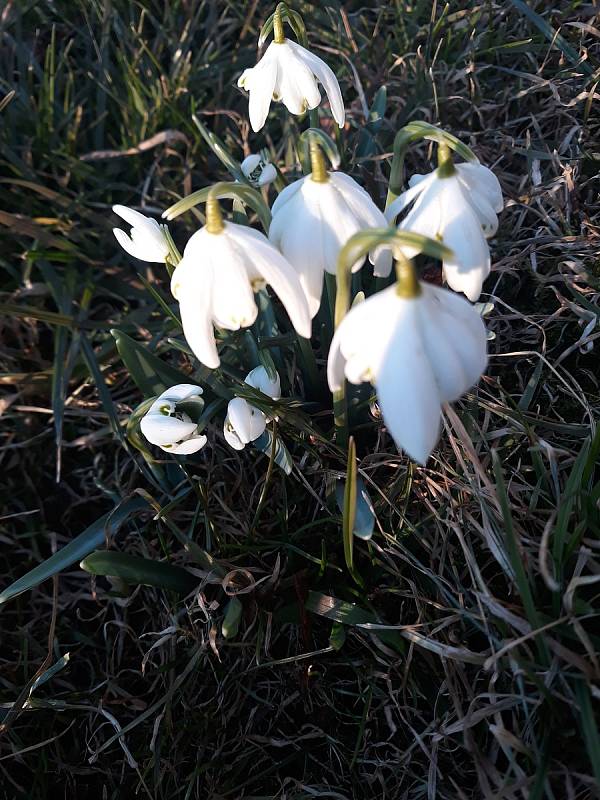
(484,564)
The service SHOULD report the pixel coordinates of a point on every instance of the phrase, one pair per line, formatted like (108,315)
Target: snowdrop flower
(171,429)
(244,422)
(459,205)
(421,348)
(259,378)
(147,240)
(314,217)
(223,265)
(289,72)
(258,171)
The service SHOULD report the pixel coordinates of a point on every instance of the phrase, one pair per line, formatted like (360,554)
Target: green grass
(467,665)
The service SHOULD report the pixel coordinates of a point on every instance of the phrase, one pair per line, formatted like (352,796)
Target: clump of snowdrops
(273,275)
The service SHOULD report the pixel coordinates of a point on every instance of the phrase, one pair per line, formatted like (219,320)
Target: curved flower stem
(402,141)
(313,116)
(414,132)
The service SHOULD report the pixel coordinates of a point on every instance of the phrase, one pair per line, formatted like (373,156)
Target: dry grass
(484,680)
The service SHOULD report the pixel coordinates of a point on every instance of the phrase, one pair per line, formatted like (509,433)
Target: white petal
(260,82)
(268,175)
(407,197)
(248,422)
(407,390)
(336,362)
(187,447)
(161,429)
(382,261)
(364,334)
(327,77)
(258,171)
(483,181)
(297,83)
(135,218)
(462,233)
(263,261)
(233,305)
(459,324)
(339,224)
(191,284)
(438,343)
(129,245)
(259,379)
(180,392)
(368,216)
(285,195)
(301,242)
(358,200)
(425,217)
(231,437)
(415,179)
(215,269)
(484,211)
(250,163)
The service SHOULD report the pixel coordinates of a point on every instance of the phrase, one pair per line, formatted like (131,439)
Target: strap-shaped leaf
(232,618)
(364,519)
(151,374)
(81,546)
(349,512)
(221,152)
(137,570)
(282,457)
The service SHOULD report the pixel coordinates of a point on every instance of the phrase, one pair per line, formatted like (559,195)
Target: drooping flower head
(289,72)
(314,217)
(223,265)
(147,240)
(258,171)
(459,205)
(168,426)
(419,348)
(244,422)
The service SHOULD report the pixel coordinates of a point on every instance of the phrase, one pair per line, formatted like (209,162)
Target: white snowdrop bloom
(147,240)
(314,218)
(258,171)
(216,279)
(418,352)
(460,208)
(289,72)
(171,429)
(244,422)
(260,379)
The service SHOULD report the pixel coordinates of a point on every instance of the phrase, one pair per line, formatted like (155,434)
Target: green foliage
(466,663)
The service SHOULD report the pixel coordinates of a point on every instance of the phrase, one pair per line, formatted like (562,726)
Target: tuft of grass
(465,664)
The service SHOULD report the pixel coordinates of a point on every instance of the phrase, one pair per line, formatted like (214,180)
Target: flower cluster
(420,345)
